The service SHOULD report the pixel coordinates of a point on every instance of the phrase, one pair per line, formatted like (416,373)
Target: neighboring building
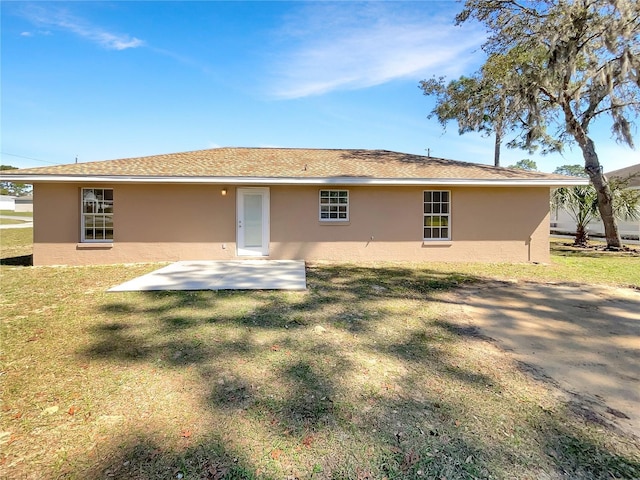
(7,202)
(24,204)
(279,203)
(562,223)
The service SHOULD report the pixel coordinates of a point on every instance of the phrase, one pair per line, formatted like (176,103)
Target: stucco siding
(487,224)
(152,223)
(184,222)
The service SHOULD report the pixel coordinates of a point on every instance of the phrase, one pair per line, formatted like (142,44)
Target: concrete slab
(222,275)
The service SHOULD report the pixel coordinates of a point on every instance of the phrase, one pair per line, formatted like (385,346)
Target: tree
(459,101)
(571,62)
(13,188)
(525,164)
(581,203)
(478,103)
(574,170)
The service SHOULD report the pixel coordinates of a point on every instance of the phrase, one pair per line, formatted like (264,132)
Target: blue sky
(105,80)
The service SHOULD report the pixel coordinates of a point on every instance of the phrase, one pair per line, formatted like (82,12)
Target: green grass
(10,221)
(568,264)
(16,246)
(597,266)
(11,213)
(357,378)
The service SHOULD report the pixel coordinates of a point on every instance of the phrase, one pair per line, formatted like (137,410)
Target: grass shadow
(117,341)
(578,456)
(145,457)
(20,261)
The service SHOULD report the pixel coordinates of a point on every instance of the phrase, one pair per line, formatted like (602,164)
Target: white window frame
(330,204)
(100,205)
(436,205)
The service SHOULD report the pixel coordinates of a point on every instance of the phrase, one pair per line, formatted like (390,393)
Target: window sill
(436,243)
(94,246)
(335,223)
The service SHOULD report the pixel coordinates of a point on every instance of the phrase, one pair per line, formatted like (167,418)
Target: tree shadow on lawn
(314,385)
(578,456)
(19,261)
(144,456)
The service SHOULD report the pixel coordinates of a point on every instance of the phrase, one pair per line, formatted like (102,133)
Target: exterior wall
(187,222)
(152,223)
(487,225)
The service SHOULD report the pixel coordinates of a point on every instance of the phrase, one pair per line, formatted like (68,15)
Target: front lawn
(10,221)
(16,247)
(12,213)
(360,377)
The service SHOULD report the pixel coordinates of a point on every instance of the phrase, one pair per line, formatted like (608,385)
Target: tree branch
(614,107)
(526,9)
(591,111)
(550,96)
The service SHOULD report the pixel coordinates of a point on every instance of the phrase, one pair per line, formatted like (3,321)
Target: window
(97,215)
(437,215)
(334,205)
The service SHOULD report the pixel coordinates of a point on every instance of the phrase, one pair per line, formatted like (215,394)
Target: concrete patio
(222,275)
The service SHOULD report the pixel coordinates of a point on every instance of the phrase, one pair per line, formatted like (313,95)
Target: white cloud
(353,47)
(26,34)
(62,20)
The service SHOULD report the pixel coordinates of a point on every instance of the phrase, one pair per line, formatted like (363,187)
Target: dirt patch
(584,340)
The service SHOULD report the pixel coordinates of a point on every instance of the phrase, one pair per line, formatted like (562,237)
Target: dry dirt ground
(584,340)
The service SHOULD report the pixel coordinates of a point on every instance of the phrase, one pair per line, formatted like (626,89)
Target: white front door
(253,222)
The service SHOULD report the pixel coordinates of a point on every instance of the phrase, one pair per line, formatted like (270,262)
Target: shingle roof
(280,164)
(631,173)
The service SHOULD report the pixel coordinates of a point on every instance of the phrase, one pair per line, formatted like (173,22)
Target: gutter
(263,181)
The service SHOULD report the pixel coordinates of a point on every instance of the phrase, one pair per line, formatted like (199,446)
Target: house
(283,203)
(16,204)
(7,202)
(562,222)
(24,204)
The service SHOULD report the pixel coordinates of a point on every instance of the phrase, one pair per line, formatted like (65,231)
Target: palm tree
(581,203)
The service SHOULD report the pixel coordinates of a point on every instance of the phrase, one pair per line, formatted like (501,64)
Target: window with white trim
(334,205)
(437,215)
(97,215)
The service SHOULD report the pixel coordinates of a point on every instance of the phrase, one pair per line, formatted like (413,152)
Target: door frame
(263,250)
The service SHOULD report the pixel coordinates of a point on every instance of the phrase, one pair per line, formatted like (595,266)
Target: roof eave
(347,181)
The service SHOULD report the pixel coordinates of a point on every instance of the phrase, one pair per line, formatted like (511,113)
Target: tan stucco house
(279,203)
